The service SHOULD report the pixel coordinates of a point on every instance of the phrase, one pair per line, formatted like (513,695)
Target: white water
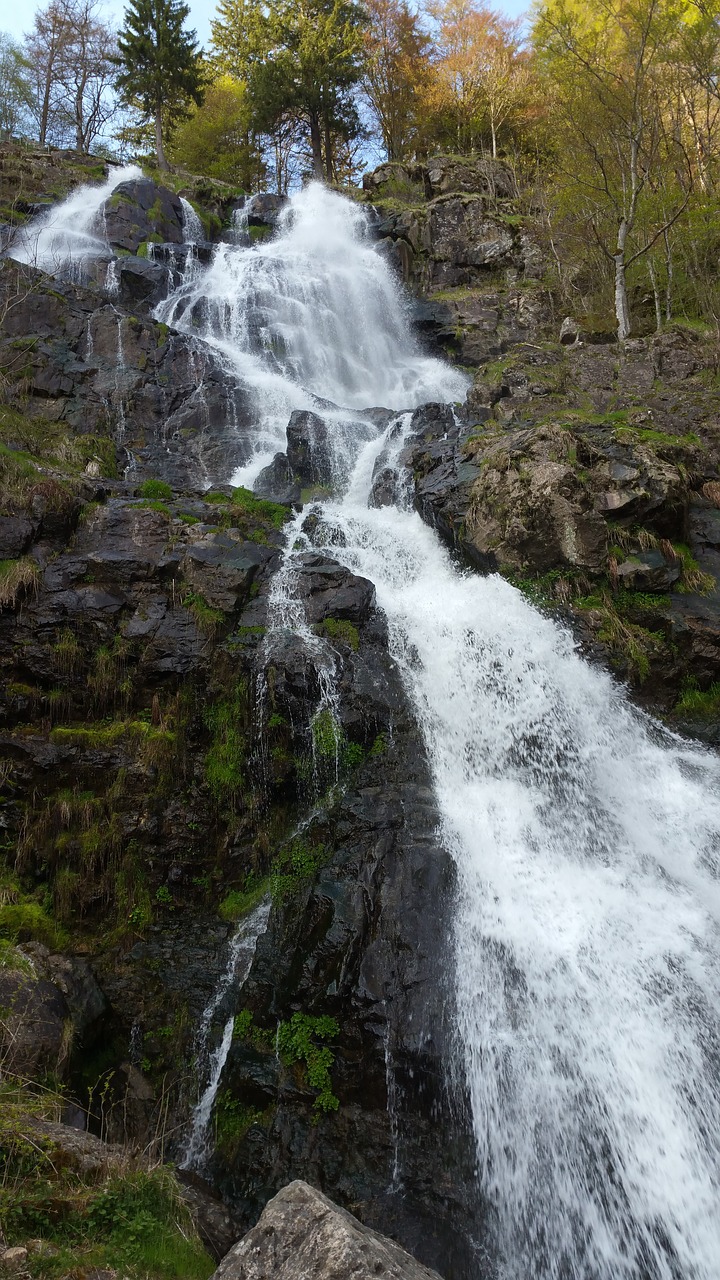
(192,227)
(198,1144)
(64,240)
(587,940)
(586,838)
(310,315)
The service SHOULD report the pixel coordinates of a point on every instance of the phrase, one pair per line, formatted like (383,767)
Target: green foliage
(217,139)
(208,619)
(155,489)
(28,921)
(273,513)
(327,734)
(231,1122)
(297,1042)
(240,902)
(160,71)
(698,703)
(163,896)
(296,864)
(226,720)
(17,578)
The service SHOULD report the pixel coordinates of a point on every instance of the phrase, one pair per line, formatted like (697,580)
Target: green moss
(153,504)
(240,902)
(155,489)
(342,631)
(231,1121)
(27,921)
(260,508)
(296,865)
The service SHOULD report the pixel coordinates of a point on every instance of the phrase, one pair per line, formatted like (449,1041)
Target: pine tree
(160,64)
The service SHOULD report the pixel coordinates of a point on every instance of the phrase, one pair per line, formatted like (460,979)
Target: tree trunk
(656,295)
(622,311)
(162,162)
(316,143)
(45,113)
(329,174)
(494,137)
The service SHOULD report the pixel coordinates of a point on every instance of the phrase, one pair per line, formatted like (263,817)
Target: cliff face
(169,760)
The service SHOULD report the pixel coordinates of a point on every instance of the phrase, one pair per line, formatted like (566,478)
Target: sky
(16,18)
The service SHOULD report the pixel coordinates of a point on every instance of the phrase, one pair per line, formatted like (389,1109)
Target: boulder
(309,451)
(488,177)
(304,1236)
(569,332)
(37,1029)
(277,482)
(460,231)
(140,211)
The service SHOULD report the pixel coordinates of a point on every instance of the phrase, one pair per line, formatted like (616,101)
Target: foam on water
(309,316)
(64,240)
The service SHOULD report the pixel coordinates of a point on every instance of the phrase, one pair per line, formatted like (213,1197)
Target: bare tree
(70,52)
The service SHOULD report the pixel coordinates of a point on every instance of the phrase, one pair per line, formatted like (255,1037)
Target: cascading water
(197,1148)
(310,316)
(66,239)
(192,227)
(586,837)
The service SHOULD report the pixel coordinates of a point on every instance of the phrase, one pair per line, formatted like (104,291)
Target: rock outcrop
(302,1233)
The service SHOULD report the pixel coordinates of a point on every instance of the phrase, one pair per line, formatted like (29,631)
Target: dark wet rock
(277,482)
(34,1039)
(309,448)
(101,370)
(301,1232)
(141,280)
(213,1221)
(328,590)
(73,976)
(16,535)
(140,211)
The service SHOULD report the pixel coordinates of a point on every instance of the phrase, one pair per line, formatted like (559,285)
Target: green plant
(164,896)
(240,902)
(231,1122)
(296,864)
(225,757)
(297,1042)
(695,702)
(208,619)
(155,489)
(17,577)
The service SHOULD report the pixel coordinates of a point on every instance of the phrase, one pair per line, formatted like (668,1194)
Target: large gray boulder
(139,211)
(304,1236)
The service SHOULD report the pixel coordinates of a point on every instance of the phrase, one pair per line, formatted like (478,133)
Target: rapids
(586,837)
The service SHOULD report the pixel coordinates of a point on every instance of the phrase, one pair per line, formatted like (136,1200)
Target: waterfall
(198,1146)
(64,240)
(586,837)
(192,227)
(308,317)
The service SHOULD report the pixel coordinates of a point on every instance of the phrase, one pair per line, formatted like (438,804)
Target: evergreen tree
(301,59)
(160,64)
